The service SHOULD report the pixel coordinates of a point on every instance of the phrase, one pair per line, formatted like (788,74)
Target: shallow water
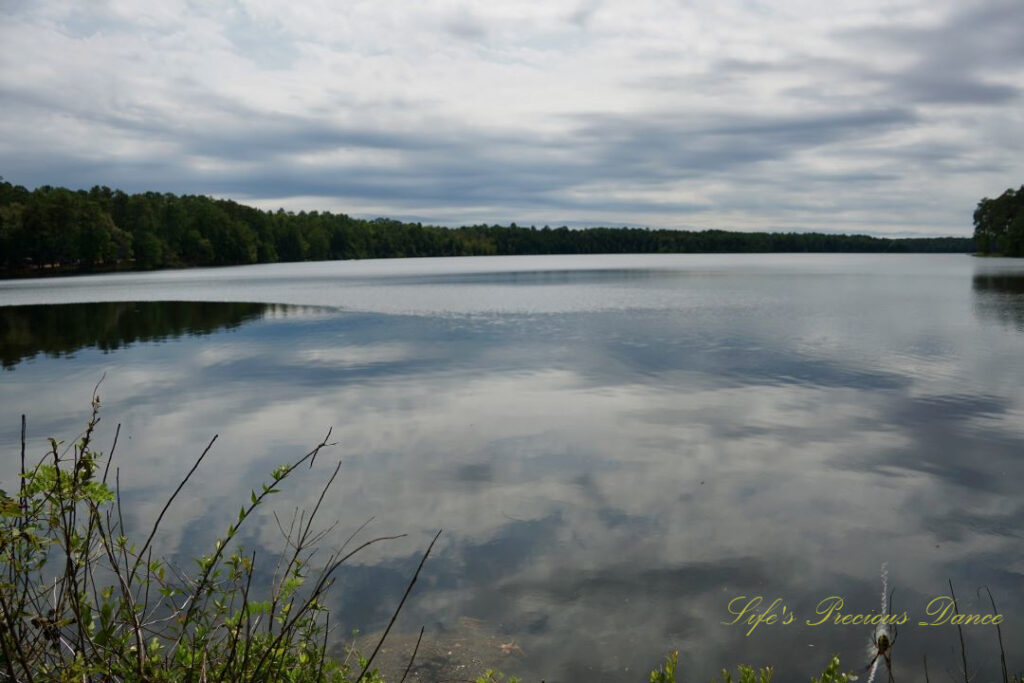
(616,447)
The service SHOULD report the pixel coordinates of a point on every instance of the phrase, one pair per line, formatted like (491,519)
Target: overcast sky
(888,117)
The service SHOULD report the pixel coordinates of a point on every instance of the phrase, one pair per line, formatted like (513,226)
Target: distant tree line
(999,224)
(57,229)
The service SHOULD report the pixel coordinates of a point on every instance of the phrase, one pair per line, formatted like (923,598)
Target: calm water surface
(615,447)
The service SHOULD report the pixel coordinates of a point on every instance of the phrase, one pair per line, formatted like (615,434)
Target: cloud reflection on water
(609,480)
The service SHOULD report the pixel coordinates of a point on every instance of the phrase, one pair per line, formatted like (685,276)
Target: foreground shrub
(80,601)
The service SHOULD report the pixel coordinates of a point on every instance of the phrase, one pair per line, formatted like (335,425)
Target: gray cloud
(970,57)
(585,114)
(972,37)
(466,26)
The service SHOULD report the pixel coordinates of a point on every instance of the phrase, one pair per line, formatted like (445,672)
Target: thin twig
(238,628)
(22,500)
(999,631)
(413,658)
(354,534)
(120,517)
(322,584)
(129,601)
(963,648)
(399,608)
(156,524)
(323,649)
(110,456)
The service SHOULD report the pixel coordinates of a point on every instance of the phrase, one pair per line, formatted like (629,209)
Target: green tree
(999,224)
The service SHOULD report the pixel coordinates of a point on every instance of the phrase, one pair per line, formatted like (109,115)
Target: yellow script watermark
(754,611)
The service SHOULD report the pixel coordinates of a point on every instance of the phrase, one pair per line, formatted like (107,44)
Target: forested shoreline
(57,230)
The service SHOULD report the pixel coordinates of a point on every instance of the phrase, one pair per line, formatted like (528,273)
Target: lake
(616,447)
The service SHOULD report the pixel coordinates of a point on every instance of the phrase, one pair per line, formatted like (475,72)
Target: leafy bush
(80,601)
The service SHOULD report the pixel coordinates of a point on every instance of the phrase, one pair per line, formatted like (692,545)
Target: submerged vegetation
(55,230)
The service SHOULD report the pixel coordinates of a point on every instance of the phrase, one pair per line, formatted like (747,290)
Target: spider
(881,646)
